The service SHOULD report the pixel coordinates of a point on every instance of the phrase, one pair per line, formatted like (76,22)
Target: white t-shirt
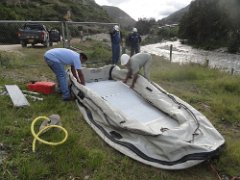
(137,61)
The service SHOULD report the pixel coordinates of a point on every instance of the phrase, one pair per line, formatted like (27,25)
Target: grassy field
(84,155)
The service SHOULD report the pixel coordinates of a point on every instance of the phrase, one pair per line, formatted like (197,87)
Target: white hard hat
(124,59)
(116,28)
(134,30)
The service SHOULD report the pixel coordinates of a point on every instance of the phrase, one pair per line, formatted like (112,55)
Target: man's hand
(81,77)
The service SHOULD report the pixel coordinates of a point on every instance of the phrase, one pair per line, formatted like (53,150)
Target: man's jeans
(135,49)
(60,73)
(115,53)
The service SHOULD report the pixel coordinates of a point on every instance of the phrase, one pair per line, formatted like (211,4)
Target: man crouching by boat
(134,64)
(57,58)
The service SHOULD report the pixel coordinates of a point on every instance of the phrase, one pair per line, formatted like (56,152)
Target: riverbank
(183,54)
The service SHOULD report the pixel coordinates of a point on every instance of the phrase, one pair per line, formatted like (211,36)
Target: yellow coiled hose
(36,136)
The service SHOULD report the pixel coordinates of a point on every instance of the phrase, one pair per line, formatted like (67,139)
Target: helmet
(124,59)
(116,28)
(134,29)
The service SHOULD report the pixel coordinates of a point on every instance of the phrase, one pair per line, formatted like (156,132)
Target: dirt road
(11,47)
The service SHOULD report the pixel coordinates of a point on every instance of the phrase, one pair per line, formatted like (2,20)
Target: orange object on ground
(42,87)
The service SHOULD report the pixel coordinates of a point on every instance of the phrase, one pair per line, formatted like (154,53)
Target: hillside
(212,24)
(119,16)
(81,10)
(175,17)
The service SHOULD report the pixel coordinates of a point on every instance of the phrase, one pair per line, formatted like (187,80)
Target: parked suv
(54,35)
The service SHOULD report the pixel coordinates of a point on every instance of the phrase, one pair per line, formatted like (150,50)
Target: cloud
(157,9)
(166,12)
(117,2)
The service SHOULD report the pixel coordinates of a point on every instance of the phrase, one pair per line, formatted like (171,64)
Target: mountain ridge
(119,16)
(81,10)
(175,17)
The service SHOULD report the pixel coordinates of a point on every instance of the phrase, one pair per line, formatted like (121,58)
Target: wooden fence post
(207,63)
(63,33)
(171,52)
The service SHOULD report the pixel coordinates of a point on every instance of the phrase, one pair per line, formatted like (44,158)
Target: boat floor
(131,104)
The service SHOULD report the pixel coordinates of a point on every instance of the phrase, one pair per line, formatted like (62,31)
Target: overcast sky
(157,9)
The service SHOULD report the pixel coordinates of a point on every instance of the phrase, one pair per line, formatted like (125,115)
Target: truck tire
(46,43)
(23,43)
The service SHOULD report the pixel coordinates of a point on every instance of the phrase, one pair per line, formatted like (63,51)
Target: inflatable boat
(146,123)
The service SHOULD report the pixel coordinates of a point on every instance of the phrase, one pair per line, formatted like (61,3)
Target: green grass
(85,154)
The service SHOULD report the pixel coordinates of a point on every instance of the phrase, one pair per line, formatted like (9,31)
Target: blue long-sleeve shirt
(115,37)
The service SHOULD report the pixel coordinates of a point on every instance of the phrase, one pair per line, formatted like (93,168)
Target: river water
(182,53)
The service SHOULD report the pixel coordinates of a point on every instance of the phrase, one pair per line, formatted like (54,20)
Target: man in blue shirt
(57,58)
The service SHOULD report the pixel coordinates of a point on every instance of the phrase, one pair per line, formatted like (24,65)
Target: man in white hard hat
(134,64)
(116,44)
(116,28)
(134,39)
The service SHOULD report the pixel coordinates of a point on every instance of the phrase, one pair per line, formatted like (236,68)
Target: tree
(144,25)
(209,23)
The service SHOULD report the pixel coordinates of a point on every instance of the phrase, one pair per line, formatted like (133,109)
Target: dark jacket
(134,39)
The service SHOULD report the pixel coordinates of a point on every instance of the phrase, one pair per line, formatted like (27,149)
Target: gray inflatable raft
(145,123)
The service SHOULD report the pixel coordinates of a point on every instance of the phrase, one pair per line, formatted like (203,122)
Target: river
(183,53)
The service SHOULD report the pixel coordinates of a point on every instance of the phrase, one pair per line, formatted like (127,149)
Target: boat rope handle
(36,135)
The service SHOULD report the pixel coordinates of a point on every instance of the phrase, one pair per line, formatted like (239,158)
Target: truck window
(34,27)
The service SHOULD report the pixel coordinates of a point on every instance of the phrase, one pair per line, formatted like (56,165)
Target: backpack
(134,38)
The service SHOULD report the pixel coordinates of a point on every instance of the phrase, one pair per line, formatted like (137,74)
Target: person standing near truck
(57,58)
